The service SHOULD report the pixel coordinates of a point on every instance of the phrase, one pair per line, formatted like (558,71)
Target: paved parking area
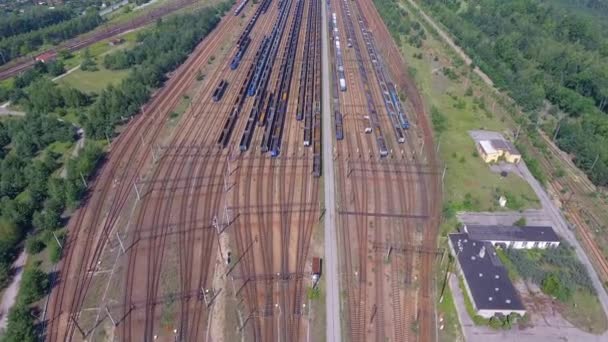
(549,326)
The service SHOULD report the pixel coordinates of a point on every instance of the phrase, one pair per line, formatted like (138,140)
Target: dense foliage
(20,326)
(160,51)
(598,7)
(31,20)
(538,51)
(540,267)
(22,44)
(401,24)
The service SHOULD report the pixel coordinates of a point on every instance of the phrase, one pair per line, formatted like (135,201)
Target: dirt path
(5,111)
(10,294)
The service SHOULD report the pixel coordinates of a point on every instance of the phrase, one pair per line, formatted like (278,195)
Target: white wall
(491,313)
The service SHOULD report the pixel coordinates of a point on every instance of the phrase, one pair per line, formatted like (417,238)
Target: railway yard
(224,203)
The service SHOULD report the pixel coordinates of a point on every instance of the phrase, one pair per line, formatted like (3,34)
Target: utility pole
(597,157)
(122,247)
(136,191)
(78,326)
(83,180)
(517,134)
(110,316)
(57,240)
(559,125)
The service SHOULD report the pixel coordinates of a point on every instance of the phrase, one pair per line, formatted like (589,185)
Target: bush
(438,120)
(520,222)
(538,265)
(314,293)
(54,249)
(5,274)
(551,285)
(34,285)
(20,325)
(33,245)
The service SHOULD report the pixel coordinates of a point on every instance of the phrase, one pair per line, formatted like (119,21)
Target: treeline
(401,24)
(16,92)
(160,51)
(31,20)
(25,181)
(598,7)
(22,44)
(538,51)
(20,327)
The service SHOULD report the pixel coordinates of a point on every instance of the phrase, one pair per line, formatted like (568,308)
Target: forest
(24,43)
(36,197)
(541,51)
(31,20)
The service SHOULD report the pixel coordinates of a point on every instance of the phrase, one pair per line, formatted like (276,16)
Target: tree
(10,234)
(5,273)
(33,245)
(34,285)
(551,285)
(56,68)
(47,219)
(88,64)
(20,326)
(43,96)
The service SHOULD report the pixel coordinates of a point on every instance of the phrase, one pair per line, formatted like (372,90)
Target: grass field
(93,81)
(584,311)
(460,110)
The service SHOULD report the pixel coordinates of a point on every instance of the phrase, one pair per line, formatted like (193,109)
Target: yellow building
(493,150)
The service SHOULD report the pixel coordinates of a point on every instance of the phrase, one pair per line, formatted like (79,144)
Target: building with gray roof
(485,277)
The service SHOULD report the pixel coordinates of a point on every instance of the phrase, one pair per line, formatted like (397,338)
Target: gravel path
(10,293)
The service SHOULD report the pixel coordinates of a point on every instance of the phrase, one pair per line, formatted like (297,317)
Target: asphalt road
(332,302)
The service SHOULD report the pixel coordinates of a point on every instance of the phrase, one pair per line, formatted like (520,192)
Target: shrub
(438,120)
(34,285)
(33,245)
(20,325)
(520,222)
(551,285)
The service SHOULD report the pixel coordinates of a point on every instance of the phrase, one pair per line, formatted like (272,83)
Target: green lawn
(584,311)
(446,309)
(451,326)
(93,81)
(96,81)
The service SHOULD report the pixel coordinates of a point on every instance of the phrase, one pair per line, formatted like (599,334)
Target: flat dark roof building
(511,233)
(486,279)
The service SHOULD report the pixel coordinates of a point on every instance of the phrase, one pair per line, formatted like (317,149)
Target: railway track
(575,216)
(22,64)
(270,220)
(116,178)
(389,308)
(195,134)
